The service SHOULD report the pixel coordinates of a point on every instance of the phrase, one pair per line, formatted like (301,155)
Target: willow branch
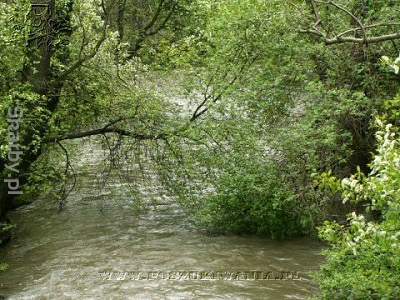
(68,165)
(101,131)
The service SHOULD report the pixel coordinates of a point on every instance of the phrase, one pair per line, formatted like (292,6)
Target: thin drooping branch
(68,163)
(68,166)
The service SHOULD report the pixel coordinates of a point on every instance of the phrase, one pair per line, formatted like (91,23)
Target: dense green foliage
(363,261)
(247,110)
(227,181)
(253,87)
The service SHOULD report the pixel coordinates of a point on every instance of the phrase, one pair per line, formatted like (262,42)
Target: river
(101,248)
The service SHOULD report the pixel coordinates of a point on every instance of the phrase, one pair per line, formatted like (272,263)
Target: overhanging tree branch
(116,130)
(340,39)
(344,37)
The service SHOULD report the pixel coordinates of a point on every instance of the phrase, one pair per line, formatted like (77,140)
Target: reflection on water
(67,256)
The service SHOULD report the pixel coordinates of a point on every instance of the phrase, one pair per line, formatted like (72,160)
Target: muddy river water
(101,248)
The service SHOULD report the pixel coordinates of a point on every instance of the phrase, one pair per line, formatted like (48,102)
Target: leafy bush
(254,199)
(363,261)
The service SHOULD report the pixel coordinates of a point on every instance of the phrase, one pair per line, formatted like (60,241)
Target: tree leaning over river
(265,101)
(46,44)
(70,63)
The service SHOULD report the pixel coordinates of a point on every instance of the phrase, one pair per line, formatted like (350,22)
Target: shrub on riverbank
(252,200)
(363,261)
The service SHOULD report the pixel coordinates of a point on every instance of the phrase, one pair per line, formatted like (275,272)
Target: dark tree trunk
(39,74)
(39,48)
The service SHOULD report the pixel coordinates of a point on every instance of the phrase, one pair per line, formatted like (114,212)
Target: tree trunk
(37,72)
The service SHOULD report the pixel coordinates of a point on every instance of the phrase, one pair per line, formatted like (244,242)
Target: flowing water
(100,248)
